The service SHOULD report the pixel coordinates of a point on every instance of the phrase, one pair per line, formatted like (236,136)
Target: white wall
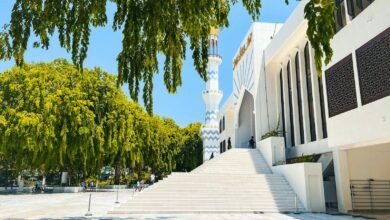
(283,39)
(306,181)
(273,150)
(369,162)
(315,147)
(304,178)
(229,126)
(360,126)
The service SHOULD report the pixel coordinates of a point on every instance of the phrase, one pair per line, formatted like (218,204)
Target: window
(322,105)
(373,62)
(282,105)
(220,126)
(223,123)
(357,6)
(298,79)
(290,104)
(309,93)
(340,87)
(340,19)
(222,146)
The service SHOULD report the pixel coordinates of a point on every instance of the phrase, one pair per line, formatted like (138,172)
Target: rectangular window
(223,123)
(282,105)
(340,18)
(355,7)
(298,79)
(310,93)
(322,105)
(290,104)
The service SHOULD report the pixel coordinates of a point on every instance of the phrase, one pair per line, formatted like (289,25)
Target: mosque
(321,141)
(339,118)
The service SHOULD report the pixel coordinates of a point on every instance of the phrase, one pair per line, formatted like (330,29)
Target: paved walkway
(75,205)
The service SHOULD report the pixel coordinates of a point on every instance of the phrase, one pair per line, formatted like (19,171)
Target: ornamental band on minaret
(211,97)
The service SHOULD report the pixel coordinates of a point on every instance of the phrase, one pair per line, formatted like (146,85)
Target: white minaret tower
(212,97)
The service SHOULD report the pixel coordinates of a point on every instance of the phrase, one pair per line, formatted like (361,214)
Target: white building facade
(340,119)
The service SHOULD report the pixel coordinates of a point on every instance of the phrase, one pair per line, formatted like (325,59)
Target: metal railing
(370,194)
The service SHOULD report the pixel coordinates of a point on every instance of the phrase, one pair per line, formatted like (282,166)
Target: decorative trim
(212,75)
(242,51)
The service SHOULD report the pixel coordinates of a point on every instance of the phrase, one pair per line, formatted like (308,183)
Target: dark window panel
(373,61)
(223,123)
(340,86)
(290,104)
(309,88)
(282,105)
(322,105)
(298,81)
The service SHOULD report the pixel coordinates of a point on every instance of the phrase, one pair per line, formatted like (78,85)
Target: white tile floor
(75,205)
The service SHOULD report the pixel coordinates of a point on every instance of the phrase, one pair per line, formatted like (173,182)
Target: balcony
(215,55)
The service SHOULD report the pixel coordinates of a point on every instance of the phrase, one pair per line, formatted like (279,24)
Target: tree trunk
(117,175)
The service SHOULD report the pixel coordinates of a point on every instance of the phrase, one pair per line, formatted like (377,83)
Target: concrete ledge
(67,189)
(16,189)
(273,151)
(115,187)
(306,180)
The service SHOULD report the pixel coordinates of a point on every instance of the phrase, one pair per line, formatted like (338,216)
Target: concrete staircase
(238,181)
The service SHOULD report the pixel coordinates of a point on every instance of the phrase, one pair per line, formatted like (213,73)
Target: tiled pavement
(74,206)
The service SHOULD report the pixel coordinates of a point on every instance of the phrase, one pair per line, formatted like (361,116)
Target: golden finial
(213,31)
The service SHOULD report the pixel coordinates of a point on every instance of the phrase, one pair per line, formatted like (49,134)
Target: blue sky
(186,105)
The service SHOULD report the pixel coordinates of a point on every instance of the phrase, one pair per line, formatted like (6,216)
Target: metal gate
(370,194)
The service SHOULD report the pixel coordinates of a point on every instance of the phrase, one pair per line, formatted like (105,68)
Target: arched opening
(246,121)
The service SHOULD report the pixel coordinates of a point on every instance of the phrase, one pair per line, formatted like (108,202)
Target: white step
(237,181)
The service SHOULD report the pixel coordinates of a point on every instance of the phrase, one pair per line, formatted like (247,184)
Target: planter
(273,151)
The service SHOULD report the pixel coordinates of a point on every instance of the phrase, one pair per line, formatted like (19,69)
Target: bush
(273,133)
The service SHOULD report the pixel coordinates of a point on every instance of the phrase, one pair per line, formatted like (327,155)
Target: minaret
(212,97)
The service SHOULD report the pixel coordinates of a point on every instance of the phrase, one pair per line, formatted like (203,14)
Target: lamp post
(89,206)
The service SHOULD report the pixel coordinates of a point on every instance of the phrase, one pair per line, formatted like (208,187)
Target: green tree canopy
(149,28)
(52,118)
(191,152)
(56,116)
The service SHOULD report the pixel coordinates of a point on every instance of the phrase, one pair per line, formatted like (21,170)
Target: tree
(190,155)
(149,28)
(52,118)
(52,115)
